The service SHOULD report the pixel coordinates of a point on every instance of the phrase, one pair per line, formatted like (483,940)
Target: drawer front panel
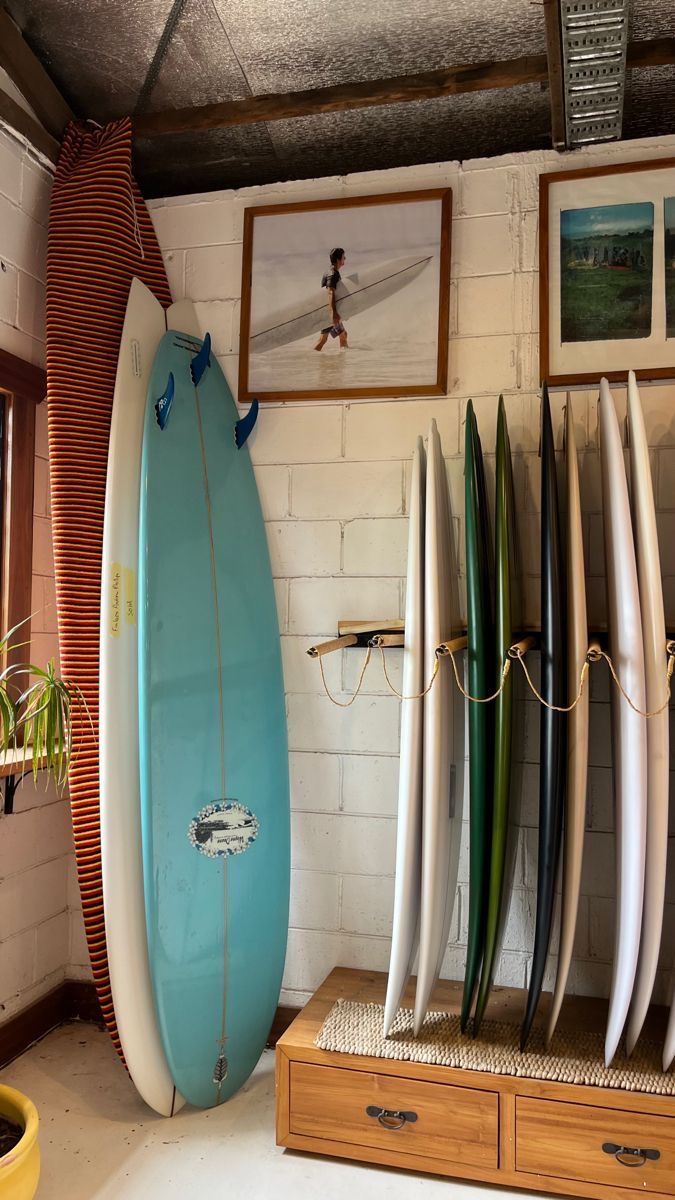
(455,1124)
(566,1141)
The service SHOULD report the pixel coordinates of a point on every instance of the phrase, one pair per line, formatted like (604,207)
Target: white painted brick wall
(36,840)
(333,479)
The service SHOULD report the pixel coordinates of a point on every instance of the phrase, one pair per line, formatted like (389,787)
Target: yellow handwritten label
(129,596)
(115,599)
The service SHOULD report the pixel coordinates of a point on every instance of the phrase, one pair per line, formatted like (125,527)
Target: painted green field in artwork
(606,287)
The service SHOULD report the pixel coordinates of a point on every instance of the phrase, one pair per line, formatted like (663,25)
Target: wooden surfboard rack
(542,1135)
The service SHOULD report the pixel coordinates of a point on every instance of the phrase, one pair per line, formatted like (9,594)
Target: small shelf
(15,762)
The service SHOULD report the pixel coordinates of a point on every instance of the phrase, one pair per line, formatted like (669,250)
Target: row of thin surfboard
(428,826)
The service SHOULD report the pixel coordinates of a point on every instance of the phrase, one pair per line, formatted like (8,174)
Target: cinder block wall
(35,841)
(333,478)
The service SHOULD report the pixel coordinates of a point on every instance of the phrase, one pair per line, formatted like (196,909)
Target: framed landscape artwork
(607,272)
(346,298)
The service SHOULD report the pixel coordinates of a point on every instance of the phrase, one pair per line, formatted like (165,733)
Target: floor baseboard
(76,1000)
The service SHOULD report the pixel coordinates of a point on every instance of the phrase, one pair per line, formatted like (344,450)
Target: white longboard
(409,829)
(438,884)
(629,730)
(654,640)
(577,724)
(144,326)
(669,1044)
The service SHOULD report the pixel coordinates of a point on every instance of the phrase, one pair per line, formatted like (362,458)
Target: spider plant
(36,710)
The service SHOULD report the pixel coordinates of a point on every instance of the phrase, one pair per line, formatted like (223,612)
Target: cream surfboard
(439,835)
(577,724)
(409,830)
(629,729)
(654,640)
(144,327)
(669,1044)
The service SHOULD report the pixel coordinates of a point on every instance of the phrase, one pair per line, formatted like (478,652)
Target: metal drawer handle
(630,1156)
(391,1118)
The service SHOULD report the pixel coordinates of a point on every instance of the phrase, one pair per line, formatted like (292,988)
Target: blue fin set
(243,427)
(201,361)
(163,405)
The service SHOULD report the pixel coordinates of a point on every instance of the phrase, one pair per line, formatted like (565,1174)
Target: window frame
(24,386)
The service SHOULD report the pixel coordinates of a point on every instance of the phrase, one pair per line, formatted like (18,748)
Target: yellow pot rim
(28,1115)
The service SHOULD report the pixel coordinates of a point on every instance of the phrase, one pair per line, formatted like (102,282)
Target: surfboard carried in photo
(346,297)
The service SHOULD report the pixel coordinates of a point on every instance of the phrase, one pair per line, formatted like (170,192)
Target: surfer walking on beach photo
(330,281)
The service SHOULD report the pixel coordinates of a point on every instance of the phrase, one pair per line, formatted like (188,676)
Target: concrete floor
(100,1142)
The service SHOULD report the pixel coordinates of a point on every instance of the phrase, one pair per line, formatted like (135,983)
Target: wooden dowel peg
(338,643)
(387,639)
(451,647)
(518,649)
(594,652)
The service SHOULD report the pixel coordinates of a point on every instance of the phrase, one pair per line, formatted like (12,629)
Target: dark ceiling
(115,57)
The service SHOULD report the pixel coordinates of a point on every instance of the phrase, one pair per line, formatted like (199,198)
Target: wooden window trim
(25,386)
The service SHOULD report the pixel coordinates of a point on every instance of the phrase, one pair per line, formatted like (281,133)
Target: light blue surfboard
(214,762)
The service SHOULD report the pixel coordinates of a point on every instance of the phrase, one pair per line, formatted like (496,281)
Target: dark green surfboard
(502,840)
(552,763)
(481,721)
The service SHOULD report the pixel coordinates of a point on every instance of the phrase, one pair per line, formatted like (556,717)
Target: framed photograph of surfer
(607,273)
(346,298)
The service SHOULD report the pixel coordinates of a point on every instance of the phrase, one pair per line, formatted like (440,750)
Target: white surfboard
(577,724)
(438,884)
(628,728)
(354,294)
(409,829)
(669,1044)
(654,640)
(144,326)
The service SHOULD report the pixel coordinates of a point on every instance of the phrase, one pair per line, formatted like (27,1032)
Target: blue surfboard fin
(201,361)
(243,427)
(163,405)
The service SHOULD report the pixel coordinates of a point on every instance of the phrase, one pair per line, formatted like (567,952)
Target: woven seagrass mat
(575,1056)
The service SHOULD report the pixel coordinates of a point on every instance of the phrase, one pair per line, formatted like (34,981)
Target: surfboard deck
(122,863)
(503,835)
(654,643)
(669,1044)
(438,832)
(480,641)
(552,724)
(577,725)
(214,765)
(409,829)
(629,733)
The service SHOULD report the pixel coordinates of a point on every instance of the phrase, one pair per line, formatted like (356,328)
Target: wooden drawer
(566,1141)
(455,1124)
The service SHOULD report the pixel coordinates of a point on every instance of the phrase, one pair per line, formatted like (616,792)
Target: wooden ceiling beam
(342,97)
(555,73)
(429,85)
(657,52)
(28,74)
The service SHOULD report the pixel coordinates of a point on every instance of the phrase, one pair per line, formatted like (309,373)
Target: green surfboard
(502,841)
(480,638)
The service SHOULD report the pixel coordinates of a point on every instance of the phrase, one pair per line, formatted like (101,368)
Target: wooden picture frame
(383,362)
(621,191)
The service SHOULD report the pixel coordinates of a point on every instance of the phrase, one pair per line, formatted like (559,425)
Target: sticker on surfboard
(223,829)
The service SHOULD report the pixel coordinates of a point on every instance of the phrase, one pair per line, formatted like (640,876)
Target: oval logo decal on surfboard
(223,829)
